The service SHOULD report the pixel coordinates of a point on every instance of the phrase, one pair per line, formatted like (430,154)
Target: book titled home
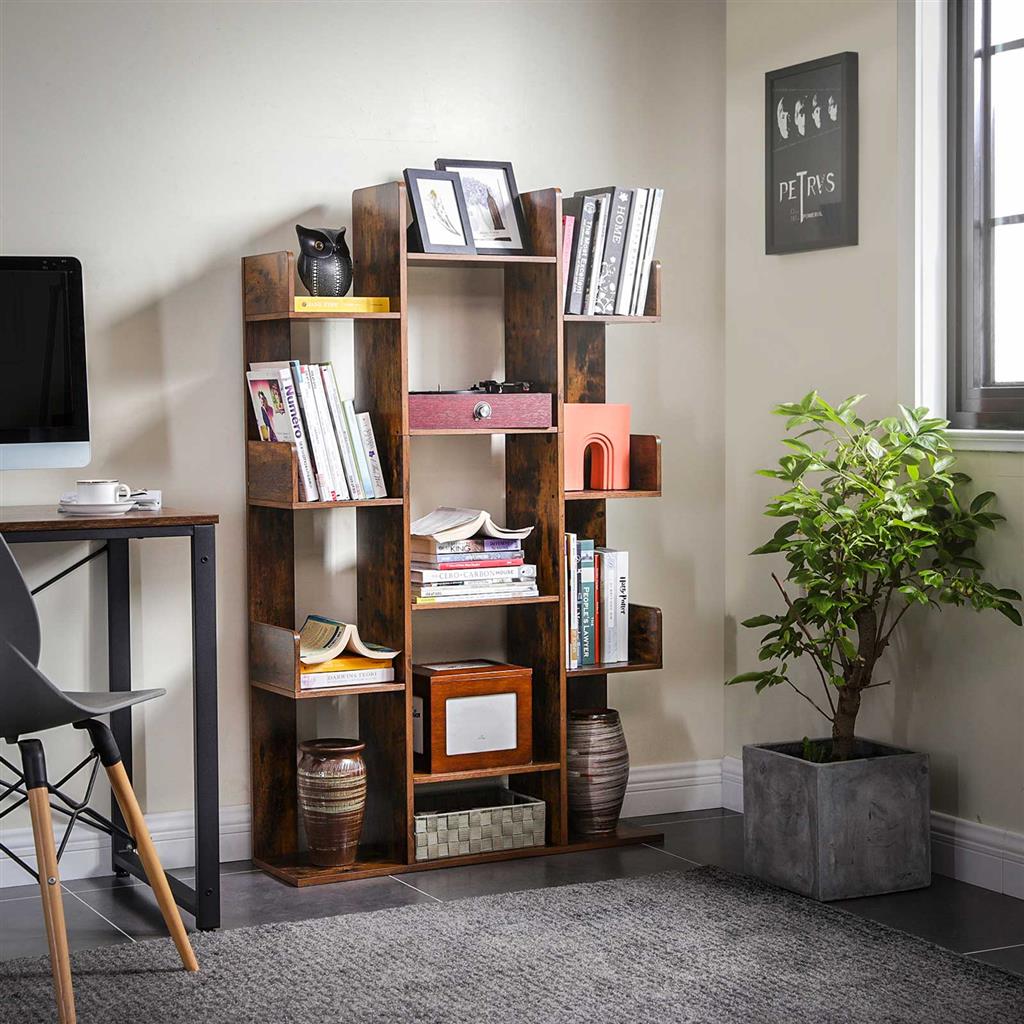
(619,206)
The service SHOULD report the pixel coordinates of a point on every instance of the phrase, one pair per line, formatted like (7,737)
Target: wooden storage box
(477,821)
(471,714)
(469,410)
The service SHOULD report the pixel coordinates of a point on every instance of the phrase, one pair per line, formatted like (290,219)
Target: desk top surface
(26,518)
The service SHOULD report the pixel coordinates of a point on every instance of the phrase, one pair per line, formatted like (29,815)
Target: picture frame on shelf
(492,199)
(440,218)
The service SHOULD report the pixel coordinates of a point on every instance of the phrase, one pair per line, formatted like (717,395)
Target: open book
(322,639)
(448,524)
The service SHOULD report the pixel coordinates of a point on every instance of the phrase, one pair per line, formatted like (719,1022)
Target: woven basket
(477,821)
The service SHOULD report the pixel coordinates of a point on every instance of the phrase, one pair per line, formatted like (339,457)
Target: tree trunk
(845,723)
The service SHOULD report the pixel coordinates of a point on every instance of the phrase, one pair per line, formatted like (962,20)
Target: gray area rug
(701,947)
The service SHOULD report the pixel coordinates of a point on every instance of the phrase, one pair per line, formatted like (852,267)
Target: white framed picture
(439,211)
(492,202)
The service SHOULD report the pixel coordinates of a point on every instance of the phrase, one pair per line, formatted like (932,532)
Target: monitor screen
(43,392)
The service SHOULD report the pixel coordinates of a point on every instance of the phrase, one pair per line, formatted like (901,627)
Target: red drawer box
(475,410)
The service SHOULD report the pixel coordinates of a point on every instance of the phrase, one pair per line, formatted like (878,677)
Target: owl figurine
(325,264)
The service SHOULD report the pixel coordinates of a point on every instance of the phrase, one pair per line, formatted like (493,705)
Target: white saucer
(118,508)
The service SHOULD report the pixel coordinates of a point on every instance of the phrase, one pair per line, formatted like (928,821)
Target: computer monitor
(44,397)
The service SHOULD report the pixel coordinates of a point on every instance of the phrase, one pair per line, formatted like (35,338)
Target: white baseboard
(666,788)
(88,851)
(992,858)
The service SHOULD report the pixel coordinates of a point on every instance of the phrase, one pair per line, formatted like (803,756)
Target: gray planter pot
(834,831)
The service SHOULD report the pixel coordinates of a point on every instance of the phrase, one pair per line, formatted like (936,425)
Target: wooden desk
(44,524)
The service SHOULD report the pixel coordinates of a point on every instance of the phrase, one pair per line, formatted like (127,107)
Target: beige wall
(829,320)
(161,142)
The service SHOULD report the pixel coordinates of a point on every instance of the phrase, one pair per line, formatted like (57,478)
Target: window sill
(987,440)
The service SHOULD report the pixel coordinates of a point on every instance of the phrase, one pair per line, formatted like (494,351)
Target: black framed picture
(495,215)
(440,218)
(810,134)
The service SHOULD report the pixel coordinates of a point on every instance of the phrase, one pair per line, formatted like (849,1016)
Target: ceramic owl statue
(325,264)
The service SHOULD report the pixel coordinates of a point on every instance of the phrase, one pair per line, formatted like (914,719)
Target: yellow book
(351,663)
(341,304)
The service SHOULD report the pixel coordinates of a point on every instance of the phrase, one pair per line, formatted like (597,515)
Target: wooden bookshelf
(561,354)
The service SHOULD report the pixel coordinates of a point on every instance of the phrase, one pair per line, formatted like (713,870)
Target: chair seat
(93,704)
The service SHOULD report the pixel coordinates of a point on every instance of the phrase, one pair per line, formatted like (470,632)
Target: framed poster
(810,133)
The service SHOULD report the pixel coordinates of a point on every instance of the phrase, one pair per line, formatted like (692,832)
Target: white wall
(160,142)
(830,320)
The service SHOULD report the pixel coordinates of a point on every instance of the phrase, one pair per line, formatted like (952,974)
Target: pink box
(465,410)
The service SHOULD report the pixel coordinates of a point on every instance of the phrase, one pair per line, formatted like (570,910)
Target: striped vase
(332,798)
(598,764)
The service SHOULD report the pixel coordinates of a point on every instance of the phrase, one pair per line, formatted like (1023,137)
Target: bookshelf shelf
(499,602)
(423,778)
(561,355)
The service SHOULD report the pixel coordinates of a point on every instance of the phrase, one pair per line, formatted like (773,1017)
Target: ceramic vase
(598,764)
(332,798)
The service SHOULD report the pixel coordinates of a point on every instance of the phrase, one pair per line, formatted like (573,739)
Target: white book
(446,523)
(477,588)
(644,235)
(275,402)
(631,256)
(596,251)
(348,455)
(348,408)
(489,595)
(622,605)
(513,573)
(314,427)
(372,455)
(572,549)
(350,677)
(648,255)
(330,441)
(609,636)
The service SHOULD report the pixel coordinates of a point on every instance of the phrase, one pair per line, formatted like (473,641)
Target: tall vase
(332,798)
(598,764)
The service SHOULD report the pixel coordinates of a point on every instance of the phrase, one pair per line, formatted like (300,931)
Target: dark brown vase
(598,764)
(332,798)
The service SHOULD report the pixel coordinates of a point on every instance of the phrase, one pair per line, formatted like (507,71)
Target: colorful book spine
(348,408)
(463,546)
(372,454)
(350,677)
(467,560)
(567,227)
(290,424)
(594,254)
(588,654)
(342,304)
(584,208)
(648,255)
(631,253)
(572,576)
(348,455)
(459,575)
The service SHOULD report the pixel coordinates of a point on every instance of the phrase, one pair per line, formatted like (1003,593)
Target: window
(985,378)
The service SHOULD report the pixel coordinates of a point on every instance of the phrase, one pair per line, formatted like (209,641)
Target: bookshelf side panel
(584,362)
(274,743)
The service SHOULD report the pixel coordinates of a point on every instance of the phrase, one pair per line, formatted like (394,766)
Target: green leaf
(982,500)
(746,677)
(1010,612)
(757,621)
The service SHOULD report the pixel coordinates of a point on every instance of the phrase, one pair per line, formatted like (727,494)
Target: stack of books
(461,554)
(596,604)
(336,447)
(614,230)
(333,655)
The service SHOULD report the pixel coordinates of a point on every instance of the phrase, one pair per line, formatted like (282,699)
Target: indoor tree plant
(874,525)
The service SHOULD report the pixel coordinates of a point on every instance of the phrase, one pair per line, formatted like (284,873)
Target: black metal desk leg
(204,660)
(119,660)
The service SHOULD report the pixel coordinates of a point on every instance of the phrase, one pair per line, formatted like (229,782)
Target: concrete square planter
(834,831)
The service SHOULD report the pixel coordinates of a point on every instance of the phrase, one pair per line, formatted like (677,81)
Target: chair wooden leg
(53,904)
(151,862)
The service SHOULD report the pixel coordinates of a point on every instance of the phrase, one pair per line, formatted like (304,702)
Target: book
(588,655)
(631,253)
(348,409)
(594,254)
(620,203)
(476,545)
(278,417)
(640,300)
(326,444)
(372,455)
(459,575)
(572,581)
(477,588)
(342,304)
(606,571)
(491,595)
(582,208)
(322,639)
(470,562)
(352,671)
(615,601)
(567,226)
(345,446)
(597,605)
(447,524)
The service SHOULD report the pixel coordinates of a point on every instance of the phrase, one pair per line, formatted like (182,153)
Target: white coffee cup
(102,492)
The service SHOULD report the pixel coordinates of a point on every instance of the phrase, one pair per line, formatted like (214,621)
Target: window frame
(973,400)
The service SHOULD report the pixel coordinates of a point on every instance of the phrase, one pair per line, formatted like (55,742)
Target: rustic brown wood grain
(35,518)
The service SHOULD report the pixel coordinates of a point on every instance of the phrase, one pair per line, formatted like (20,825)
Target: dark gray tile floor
(103,911)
